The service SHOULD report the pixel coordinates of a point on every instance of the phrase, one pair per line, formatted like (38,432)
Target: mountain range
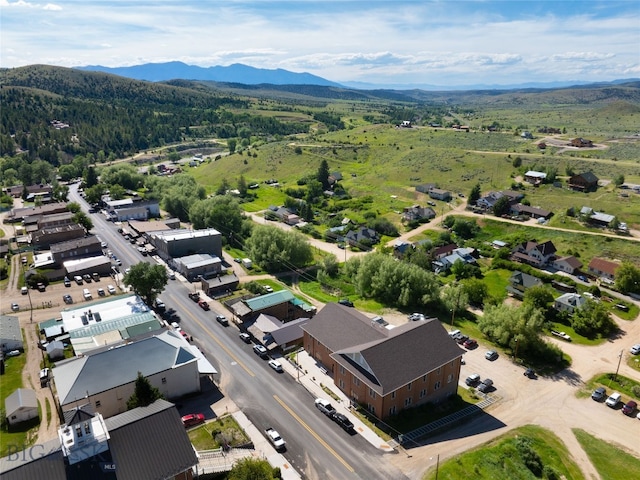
(247,75)
(236,73)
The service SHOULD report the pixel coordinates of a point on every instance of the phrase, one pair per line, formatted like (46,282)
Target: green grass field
(611,462)
(501,459)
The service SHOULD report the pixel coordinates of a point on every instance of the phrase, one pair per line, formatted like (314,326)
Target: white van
(613,400)
(86,294)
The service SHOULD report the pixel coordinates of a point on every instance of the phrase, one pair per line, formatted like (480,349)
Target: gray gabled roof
(410,352)
(20,398)
(338,327)
(150,442)
(103,371)
(10,328)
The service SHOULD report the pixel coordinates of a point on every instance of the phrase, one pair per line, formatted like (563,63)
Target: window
(409,386)
(450,378)
(98,403)
(424,379)
(392,410)
(78,431)
(87,428)
(164,379)
(393,394)
(423,393)
(372,394)
(436,386)
(341,370)
(407,402)
(439,371)
(356,381)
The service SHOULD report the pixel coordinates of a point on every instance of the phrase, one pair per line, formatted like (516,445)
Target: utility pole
(617,369)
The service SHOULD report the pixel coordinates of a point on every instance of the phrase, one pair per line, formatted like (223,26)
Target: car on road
(486,385)
(203,304)
(346,302)
(414,317)
(276,440)
(470,343)
(629,407)
(582,278)
(472,379)
(172,275)
(276,365)
(67,299)
(530,373)
(491,355)
(461,338)
(635,350)
(127,271)
(192,419)
(15,307)
(222,320)
(117,261)
(245,337)
(613,400)
(101,292)
(325,407)
(12,353)
(41,287)
(599,394)
(343,421)
(175,325)
(24,290)
(159,304)
(67,282)
(111,289)
(260,351)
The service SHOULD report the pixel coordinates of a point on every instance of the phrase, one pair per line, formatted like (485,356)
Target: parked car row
(613,400)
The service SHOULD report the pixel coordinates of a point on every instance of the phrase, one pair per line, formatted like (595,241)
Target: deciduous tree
(147,280)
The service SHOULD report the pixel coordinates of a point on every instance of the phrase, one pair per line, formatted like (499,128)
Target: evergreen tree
(144,394)
(474,195)
(91,178)
(323,175)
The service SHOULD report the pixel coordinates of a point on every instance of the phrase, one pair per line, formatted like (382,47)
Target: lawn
(502,458)
(621,384)
(611,462)
(14,437)
(497,281)
(213,434)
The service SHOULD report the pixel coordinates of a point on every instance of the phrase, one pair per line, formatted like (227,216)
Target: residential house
(400,248)
(274,334)
(19,214)
(584,182)
(281,304)
(21,406)
(569,302)
(520,282)
(443,251)
(581,143)
(535,178)
(181,242)
(363,237)
(10,333)
(489,200)
(463,254)
(425,187)
(77,248)
(568,264)
(600,219)
(534,253)
(106,378)
(606,269)
(526,135)
(417,213)
(16,191)
(439,194)
(528,211)
(146,442)
(386,370)
(285,215)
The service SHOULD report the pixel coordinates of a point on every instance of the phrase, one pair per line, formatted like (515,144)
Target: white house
(21,406)
(569,302)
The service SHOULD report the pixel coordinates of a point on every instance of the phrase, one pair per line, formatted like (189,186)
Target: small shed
(21,406)
(55,350)
(10,333)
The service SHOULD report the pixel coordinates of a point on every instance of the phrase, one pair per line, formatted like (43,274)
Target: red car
(471,343)
(203,304)
(629,407)
(192,419)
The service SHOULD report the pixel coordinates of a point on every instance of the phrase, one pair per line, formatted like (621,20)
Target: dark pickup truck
(195,296)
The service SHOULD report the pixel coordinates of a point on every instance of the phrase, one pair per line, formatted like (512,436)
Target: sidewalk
(311,377)
(264,449)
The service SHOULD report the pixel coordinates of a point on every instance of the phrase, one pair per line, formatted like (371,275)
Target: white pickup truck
(275,439)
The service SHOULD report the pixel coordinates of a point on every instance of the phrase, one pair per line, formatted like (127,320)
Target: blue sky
(381,42)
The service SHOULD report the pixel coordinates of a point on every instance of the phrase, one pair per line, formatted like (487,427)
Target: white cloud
(52,6)
(584,56)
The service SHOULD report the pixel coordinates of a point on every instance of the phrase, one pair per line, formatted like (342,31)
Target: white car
(111,289)
(613,400)
(276,365)
(260,351)
(635,350)
(13,353)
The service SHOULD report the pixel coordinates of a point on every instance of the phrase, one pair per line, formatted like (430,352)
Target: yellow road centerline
(220,344)
(315,435)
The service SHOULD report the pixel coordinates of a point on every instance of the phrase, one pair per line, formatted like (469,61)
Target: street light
(515,354)
(437,464)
